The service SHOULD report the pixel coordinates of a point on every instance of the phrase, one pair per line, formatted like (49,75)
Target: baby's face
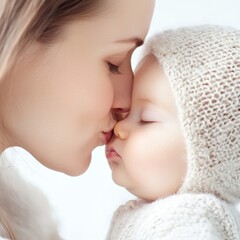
(148,154)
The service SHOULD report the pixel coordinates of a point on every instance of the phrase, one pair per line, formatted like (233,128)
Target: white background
(84,205)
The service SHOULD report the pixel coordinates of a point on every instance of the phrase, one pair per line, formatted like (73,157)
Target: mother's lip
(107,136)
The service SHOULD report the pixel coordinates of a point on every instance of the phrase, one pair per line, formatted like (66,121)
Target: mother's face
(58,99)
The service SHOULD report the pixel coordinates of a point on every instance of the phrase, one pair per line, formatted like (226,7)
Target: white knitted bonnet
(203,66)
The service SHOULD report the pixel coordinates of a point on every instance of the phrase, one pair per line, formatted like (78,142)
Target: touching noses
(120,130)
(122,85)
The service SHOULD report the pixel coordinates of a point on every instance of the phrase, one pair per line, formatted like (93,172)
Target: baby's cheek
(138,154)
(135,146)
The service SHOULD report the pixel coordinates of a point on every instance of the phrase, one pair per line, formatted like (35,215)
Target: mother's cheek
(102,97)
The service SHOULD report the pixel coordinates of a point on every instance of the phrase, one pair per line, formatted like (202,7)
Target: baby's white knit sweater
(178,217)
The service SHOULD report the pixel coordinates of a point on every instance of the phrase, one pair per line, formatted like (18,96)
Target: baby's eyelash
(113,68)
(142,122)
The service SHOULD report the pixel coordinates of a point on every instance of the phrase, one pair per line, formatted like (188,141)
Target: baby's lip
(111,153)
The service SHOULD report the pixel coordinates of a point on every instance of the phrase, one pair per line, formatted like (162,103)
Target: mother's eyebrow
(137,41)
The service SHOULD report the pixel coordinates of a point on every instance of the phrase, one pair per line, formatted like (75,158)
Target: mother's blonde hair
(24,21)
(15,18)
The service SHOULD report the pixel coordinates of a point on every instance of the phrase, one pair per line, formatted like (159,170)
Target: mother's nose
(122,85)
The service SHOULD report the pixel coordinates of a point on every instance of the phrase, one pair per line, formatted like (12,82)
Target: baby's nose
(120,130)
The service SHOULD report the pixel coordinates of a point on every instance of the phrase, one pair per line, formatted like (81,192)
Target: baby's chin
(147,196)
(142,195)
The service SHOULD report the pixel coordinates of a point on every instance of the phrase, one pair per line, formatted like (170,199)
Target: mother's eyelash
(113,68)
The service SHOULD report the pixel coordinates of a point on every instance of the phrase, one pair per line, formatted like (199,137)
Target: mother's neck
(3,140)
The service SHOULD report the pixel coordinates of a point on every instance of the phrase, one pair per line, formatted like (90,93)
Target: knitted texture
(25,208)
(182,217)
(202,65)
